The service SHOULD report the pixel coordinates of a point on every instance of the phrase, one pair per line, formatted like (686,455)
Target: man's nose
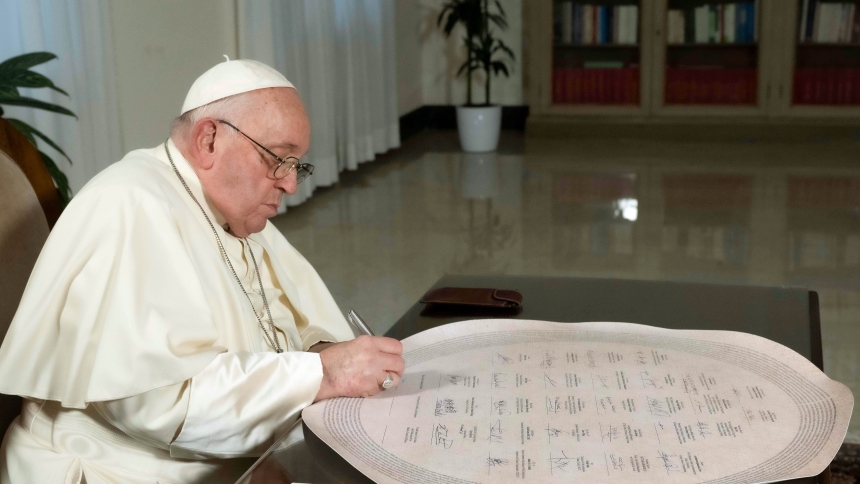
(288,183)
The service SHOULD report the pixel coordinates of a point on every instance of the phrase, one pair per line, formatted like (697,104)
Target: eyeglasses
(285,165)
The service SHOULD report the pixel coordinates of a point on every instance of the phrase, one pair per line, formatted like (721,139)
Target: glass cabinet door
(827,54)
(711,53)
(596,53)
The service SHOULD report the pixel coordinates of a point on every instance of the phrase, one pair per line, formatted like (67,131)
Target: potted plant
(15,73)
(479,124)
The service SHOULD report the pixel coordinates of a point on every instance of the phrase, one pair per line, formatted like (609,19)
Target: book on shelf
(827,86)
(702,85)
(829,22)
(596,83)
(724,23)
(585,24)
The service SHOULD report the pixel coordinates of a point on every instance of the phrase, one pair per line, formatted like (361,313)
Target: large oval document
(500,400)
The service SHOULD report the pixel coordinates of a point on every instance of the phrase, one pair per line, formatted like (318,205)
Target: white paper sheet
(502,400)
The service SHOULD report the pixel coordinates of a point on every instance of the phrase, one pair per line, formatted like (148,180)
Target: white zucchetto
(230,78)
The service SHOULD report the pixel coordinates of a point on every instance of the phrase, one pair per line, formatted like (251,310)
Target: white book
(834,23)
(701,27)
(587,24)
(567,22)
(719,33)
(616,25)
(846,15)
(820,26)
(756,11)
(804,19)
(840,15)
(623,24)
(633,18)
(677,26)
(826,23)
(671,26)
(729,16)
(631,25)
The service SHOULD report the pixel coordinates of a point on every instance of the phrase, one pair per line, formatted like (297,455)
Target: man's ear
(203,142)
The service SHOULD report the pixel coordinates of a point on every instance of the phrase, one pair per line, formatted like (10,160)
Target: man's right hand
(358,367)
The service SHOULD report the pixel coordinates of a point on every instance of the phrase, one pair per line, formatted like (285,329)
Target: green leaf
(8,91)
(26,61)
(59,178)
(36,104)
(500,67)
(22,127)
(24,78)
(501,10)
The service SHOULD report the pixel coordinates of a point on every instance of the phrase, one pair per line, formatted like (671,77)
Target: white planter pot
(479,127)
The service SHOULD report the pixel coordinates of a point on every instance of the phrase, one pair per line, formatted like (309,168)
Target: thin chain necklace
(273,339)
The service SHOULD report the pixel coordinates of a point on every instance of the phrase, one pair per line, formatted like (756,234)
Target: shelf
(814,45)
(596,46)
(713,46)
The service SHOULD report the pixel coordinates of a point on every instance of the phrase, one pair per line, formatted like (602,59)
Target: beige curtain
(340,56)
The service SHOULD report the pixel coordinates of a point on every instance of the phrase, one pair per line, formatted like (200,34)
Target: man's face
(241,183)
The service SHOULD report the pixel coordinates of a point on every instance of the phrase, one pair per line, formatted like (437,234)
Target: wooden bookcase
(762,71)
(822,64)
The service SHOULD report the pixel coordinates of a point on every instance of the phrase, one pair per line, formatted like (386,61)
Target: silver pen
(355,320)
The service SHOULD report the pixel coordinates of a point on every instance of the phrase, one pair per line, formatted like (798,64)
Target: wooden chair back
(26,156)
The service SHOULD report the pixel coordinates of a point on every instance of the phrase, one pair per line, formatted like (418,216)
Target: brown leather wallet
(471,296)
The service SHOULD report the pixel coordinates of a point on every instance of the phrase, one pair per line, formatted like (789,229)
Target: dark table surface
(789,316)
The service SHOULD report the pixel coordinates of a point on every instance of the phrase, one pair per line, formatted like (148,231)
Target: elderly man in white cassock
(167,325)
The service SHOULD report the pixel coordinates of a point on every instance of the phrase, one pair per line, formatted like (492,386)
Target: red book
(839,79)
(558,86)
(614,86)
(569,90)
(818,87)
(603,86)
(852,87)
(570,85)
(671,88)
(588,86)
(621,80)
(632,83)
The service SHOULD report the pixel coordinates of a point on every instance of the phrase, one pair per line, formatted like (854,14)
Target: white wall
(160,47)
(408,39)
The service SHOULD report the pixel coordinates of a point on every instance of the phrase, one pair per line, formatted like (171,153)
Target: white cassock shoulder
(116,304)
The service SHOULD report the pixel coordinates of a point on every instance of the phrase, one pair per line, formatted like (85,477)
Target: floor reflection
(745,213)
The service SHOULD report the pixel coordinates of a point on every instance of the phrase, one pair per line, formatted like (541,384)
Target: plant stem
(487,92)
(469,81)
(486,33)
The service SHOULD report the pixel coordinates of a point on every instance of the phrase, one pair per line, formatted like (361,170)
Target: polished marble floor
(740,212)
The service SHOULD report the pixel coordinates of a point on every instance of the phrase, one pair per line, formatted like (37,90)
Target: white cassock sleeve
(237,406)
